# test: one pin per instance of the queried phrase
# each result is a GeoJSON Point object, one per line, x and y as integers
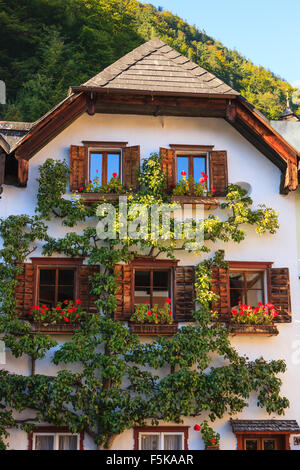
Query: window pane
{"type": "Point", "coordinates": [67, 442]}
{"type": "Point", "coordinates": [47, 296]}
{"type": "Point", "coordinates": [65, 293]}
{"type": "Point", "coordinates": [199, 165]}
{"type": "Point", "coordinates": [44, 442]}
{"type": "Point", "coordinates": [47, 276]}
{"type": "Point", "coordinates": [96, 166]}
{"type": "Point", "coordinates": [254, 281]}
{"type": "Point", "coordinates": [113, 165]}
{"type": "Point", "coordinates": [251, 444]}
{"type": "Point", "coordinates": [142, 287]}
{"type": "Point", "coordinates": [269, 444]}
{"type": "Point", "coordinates": [66, 277]}
{"type": "Point", "coordinates": [160, 287]}
{"type": "Point", "coordinates": [236, 280]}
{"type": "Point", "coordinates": [173, 442]}
{"type": "Point", "coordinates": [253, 297]}
{"type": "Point", "coordinates": [182, 165]}
{"type": "Point", "coordinates": [149, 442]}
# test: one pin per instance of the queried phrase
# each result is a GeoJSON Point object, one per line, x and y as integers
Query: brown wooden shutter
{"type": "Point", "coordinates": [218, 172]}
{"type": "Point", "coordinates": [279, 293]}
{"type": "Point", "coordinates": [24, 291]}
{"type": "Point", "coordinates": [220, 287]}
{"type": "Point", "coordinates": [184, 293]}
{"type": "Point", "coordinates": [124, 294]}
{"type": "Point", "coordinates": [79, 167]}
{"type": "Point", "coordinates": [131, 165]}
{"type": "Point", "coordinates": [168, 164]}
{"type": "Point", "coordinates": [85, 286]}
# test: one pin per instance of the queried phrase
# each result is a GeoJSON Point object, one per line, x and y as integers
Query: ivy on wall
{"type": "Point", "coordinates": [117, 383]}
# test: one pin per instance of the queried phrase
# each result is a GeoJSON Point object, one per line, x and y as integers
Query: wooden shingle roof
{"type": "Point", "coordinates": [155, 66]}
{"type": "Point", "coordinates": [264, 425]}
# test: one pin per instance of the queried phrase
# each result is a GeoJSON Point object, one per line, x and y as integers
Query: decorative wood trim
{"type": "Point", "coordinates": [152, 262]}
{"type": "Point", "coordinates": [183, 429]}
{"type": "Point", "coordinates": [23, 170]}
{"type": "Point", "coordinates": [53, 429]}
{"type": "Point", "coordinates": [261, 265]}
{"type": "Point", "coordinates": [104, 144]}
{"type": "Point", "coordinates": [191, 148]}
{"type": "Point", "coordinates": [2, 170]}
{"type": "Point", "coordinates": [208, 202]}
{"type": "Point", "coordinates": [57, 261]}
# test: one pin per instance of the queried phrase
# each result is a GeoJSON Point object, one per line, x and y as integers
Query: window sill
{"type": "Point", "coordinates": [257, 330]}
{"type": "Point", "coordinates": [212, 448]}
{"type": "Point", "coordinates": [208, 202]}
{"type": "Point", "coordinates": [144, 329]}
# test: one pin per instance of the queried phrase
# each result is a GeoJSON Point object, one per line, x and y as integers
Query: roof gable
{"type": "Point", "coordinates": [154, 66]}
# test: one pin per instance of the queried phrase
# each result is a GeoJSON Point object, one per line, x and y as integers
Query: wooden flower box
{"type": "Point", "coordinates": [145, 329]}
{"type": "Point", "coordinates": [212, 448]}
{"type": "Point", "coordinates": [208, 202]}
{"type": "Point", "coordinates": [237, 329]}
{"type": "Point", "coordinates": [59, 329]}
{"type": "Point", "coordinates": [92, 198]}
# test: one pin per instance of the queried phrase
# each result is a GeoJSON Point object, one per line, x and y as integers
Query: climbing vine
{"type": "Point", "coordinates": [115, 387]}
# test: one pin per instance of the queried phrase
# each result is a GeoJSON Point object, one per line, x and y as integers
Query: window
{"type": "Point", "coordinates": [152, 286]}
{"type": "Point", "coordinates": [192, 165]}
{"type": "Point", "coordinates": [246, 287]}
{"type": "Point", "coordinates": [263, 443]}
{"type": "Point", "coordinates": [166, 438]}
{"type": "Point", "coordinates": [55, 285]}
{"type": "Point", "coordinates": [103, 165]}
{"type": "Point", "coordinates": [55, 441]}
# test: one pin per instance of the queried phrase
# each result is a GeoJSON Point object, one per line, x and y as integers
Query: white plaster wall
{"type": "Point", "coordinates": [245, 164]}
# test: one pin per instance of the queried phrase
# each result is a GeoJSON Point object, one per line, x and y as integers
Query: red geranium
{"type": "Point", "coordinates": [115, 175]}
{"type": "Point", "coordinates": [234, 312]}
{"type": "Point", "coordinates": [213, 441]}
{"type": "Point", "coordinates": [183, 173]}
{"type": "Point", "coordinates": [78, 301]}
{"type": "Point", "coordinates": [213, 190]}
{"type": "Point", "coordinates": [66, 320]}
{"type": "Point", "coordinates": [58, 307]}
{"type": "Point", "coordinates": [149, 313]}
{"type": "Point", "coordinates": [197, 427]}
{"type": "Point", "coordinates": [168, 301]}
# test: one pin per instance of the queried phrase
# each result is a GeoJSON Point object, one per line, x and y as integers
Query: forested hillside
{"type": "Point", "coordinates": [48, 45]}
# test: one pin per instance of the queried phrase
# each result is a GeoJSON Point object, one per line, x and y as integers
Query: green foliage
{"type": "Point", "coordinates": [209, 436]}
{"type": "Point", "coordinates": [47, 46]}
{"type": "Point", "coordinates": [114, 186]}
{"type": "Point", "coordinates": [118, 385]}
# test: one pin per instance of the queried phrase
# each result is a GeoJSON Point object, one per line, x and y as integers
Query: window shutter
{"type": "Point", "coordinates": [218, 172]}
{"type": "Point", "coordinates": [130, 167]}
{"type": "Point", "coordinates": [220, 287]}
{"type": "Point", "coordinates": [85, 286]}
{"type": "Point", "coordinates": [79, 167]}
{"type": "Point", "coordinates": [184, 293]}
{"type": "Point", "coordinates": [168, 164]}
{"type": "Point", "coordinates": [125, 292]}
{"type": "Point", "coordinates": [24, 291]}
{"type": "Point", "coordinates": [279, 293]}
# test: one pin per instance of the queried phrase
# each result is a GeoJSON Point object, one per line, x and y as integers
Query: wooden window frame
{"type": "Point", "coordinates": [262, 267]}
{"type": "Point", "coordinates": [104, 147]}
{"type": "Point", "coordinates": [191, 162]}
{"type": "Point", "coordinates": [56, 431]}
{"type": "Point", "coordinates": [104, 154]}
{"type": "Point", "coordinates": [244, 288]}
{"type": "Point", "coordinates": [184, 430]}
{"type": "Point", "coordinates": [58, 263]}
{"type": "Point", "coordinates": [169, 270]}
{"type": "Point", "coordinates": [260, 436]}
{"type": "Point", "coordinates": [144, 264]}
